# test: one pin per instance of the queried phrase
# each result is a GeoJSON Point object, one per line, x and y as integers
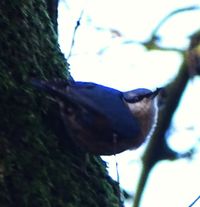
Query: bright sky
{"type": "Point", "coordinates": [99, 57]}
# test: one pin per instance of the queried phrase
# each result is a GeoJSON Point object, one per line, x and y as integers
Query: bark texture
{"type": "Point", "coordinates": [39, 165]}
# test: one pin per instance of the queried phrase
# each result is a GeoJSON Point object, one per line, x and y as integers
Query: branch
{"type": "Point", "coordinates": [171, 14]}
{"type": "Point", "coordinates": [194, 201]}
{"type": "Point", "coordinates": [157, 148]}
{"type": "Point", "coordinates": [151, 43]}
{"type": "Point", "coordinates": [74, 33]}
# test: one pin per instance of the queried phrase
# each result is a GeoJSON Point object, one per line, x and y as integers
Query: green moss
{"type": "Point", "coordinates": [40, 165]}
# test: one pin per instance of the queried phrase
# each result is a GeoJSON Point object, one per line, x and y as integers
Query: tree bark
{"type": "Point", "coordinates": [39, 165]}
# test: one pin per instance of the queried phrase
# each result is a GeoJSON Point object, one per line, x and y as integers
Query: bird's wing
{"type": "Point", "coordinates": [100, 100]}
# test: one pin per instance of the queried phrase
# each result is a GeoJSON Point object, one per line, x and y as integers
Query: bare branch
{"type": "Point", "coordinates": [185, 9]}
{"type": "Point", "coordinates": [194, 201]}
{"type": "Point", "coordinates": [152, 42]}
{"type": "Point", "coordinates": [74, 33]}
{"type": "Point", "coordinates": [157, 148]}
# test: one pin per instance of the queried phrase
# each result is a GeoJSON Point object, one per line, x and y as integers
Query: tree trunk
{"type": "Point", "coordinates": [39, 165]}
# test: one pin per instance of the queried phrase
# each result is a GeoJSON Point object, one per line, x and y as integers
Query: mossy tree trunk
{"type": "Point", "coordinates": [39, 166]}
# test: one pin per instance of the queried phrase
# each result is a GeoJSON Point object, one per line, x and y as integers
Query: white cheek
{"type": "Point", "coordinates": [135, 108]}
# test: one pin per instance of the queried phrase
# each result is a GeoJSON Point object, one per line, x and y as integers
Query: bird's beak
{"type": "Point", "coordinates": [156, 92]}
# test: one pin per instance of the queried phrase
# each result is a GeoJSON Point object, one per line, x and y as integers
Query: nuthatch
{"type": "Point", "coordinates": [103, 120]}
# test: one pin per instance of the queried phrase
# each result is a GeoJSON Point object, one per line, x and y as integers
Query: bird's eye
{"type": "Point", "coordinates": [138, 98]}
{"type": "Point", "coordinates": [134, 99]}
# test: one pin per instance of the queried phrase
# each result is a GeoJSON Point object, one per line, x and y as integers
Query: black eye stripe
{"type": "Point", "coordinates": [137, 98]}
{"type": "Point", "coordinates": [133, 99]}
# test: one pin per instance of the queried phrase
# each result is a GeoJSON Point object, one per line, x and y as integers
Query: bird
{"type": "Point", "coordinates": [103, 120]}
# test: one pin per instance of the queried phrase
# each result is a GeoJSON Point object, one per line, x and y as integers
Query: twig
{"type": "Point", "coordinates": [74, 33]}
{"type": "Point", "coordinates": [194, 201]}
{"type": "Point", "coordinates": [172, 14]}
{"type": "Point", "coordinates": [151, 43]}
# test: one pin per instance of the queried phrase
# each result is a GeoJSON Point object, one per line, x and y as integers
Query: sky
{"type": "Point", "coordinates": [107, 51]}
